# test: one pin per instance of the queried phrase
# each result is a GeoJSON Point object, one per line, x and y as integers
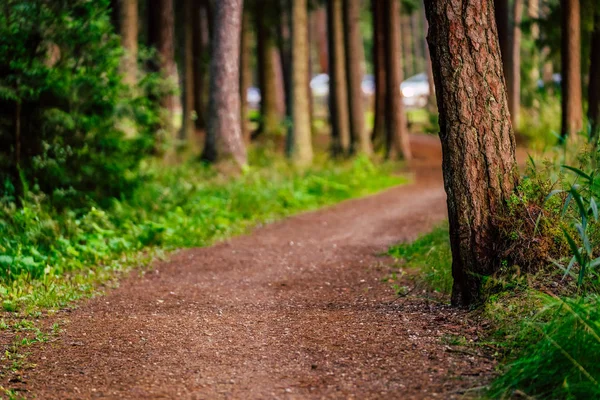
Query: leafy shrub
{"type": "Point", "coordinates": [61, 96]}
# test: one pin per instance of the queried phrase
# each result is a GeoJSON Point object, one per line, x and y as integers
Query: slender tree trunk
{"type": "Point", "coordinates": [302, 152]}
{"type": "Point", "coordinates": [397, 139]}
{"type": "Point", "coordinates": [355, 58]}
{"type": "Point", "coordinates": [533, 11]}
{"type": "Point", "coordinates": [379, 61]}
{"type": "Point", "coordinates": [572, 109]}
{"type": "Point", "coordinates": [279, 82]}
{"type": "Point", "coordinates": [418, 39]}
{"type": "Point", "coordinates": [187, 126]}
{"type": "Point", "coordinates": [162, 33]}
{"type": "Point", "coordinates": [224, 136]}
{"type": "Point", "coordinates": [18, 183]}
{"type": "Point", "coordinates": [338, 90]}
{"type": "Point", "coordinates": [478, 144]}
{"type": "Point", "coordinates": [514, 80]}
{"type": "Point", "coordinates": [320, 25]}
{"type": "Point", "coordinates": [407, 49]}
{"type": "Point", "coordinates": [286, 56]}
{"type": "Point", "coordinates": [129, 38]}
{"type": "Point", "coordinates": [201, 47]}
{"type": "Point", "coordinates": [245, 70]}
{"type": "Point", "coordinates": [594, 86]}
{"type": "Point", "coordinates": [270, 120]}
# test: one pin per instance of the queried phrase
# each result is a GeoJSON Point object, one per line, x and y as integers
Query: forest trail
{"type": "Point", "coordinates": [296, 309]}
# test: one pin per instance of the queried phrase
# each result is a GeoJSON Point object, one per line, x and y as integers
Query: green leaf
{"type": "Point", "coordinates": [584, 238]}
{"type": "Point", "coordinates": [574, 247]}
{"type": "Point", "coordinates": [594, 208]}
{"type": "Point", "coordinates": [578, 172]}
{"type": "Point", "coordinates": [552, 193]}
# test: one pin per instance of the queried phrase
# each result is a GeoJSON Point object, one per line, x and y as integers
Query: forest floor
{"type": "Point", "coordinates": [295, 309]}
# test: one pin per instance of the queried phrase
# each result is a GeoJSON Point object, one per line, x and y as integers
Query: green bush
{"type": "Point", "coordinates": [61, 96]}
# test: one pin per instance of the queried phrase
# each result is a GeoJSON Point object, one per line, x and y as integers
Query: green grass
{"type": "Point", "coordinates": [430, 253]}
{"type": "Point", "coordinates": [51, 257]}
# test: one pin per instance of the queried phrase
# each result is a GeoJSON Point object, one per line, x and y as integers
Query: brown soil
{"type": "Point", "coordinates": [297, 309]}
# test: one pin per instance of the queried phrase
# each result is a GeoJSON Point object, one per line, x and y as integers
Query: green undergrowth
{"type": "Point", "coordinates": [50, 257]}
{"type": "Point", "coordinates": [430, 255]}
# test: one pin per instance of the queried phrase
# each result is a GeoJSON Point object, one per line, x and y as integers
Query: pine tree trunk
{"type": "Point", "coordinates": [514, 80]}
{"type": "Point", "coordinates": [594, 85]}
{"type": "Point", "coordinates": [270, 120]}
{"type": "Point", "coordinates": [301, 140]}
{"type": "Point", "coordinates": [397, 140]}
{"type": "Point", "coordinates": [224, 135]}
{"type": "Point", "coordinates": [129, 38]}
{"type": "Point", "coordinates": [355, 58]}
{"type": "Point", "coordinates": [279, 83]}
{"type": "Point", "coordinates": [478, 144]}
{"type": "Point", "coordinates": [201, 48]}
{"type": "Point", "coordinates": [572, 109]}
{"type": "Point", "coordinates": [187, 126]}
{"type": "Point", "coordinates": [379, 60]}
{"type": "Point", "coordinates": [338, 90]}
{"type": "Point", "coordinates": [245, 70]}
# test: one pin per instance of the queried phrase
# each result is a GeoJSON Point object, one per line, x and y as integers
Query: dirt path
{"type": "Point", "coordinates": [297, 309]}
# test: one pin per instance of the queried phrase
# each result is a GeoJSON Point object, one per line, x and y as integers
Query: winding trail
{"type": "Point", "coordinates": [293, 310]}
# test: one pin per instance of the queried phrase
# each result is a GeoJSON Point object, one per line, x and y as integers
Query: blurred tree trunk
{"type": "Point", "coordinates": [286, 57]}
{"type": "Point", "coordinates": [572, 110]}
{"type": "Point", "coordinates": [338, 90]}
{"type": "Point", "coordinates": [513, 80]}
{"type": "Point", "coordinates": [397, 140]}
{"type": "Point", "coordinates": [128, 10]}
{"type": "Point", "coordinates": [279, 82]}
{"type": "Point", "coordinates": [201, 49]}
{"type": "Point", "coordinates": [269, 118]}
{"type": "Point", "coordinates": [320, 28]}
{"type": "Point", "coordinates": [355, 58]}
{"type": "Point", "coordinates": [418, 39]}
{"type": "Point", "coordinates": [407, 49]}
{"type": "Point", "coordinates": [533, 11]}
{"type": "Point", "coordinates": [379, 60]}
{"type": "Point", "coordinates": [301, 151]}
{"type": "Point", "coordinates": [478, 144]}
{"type": "Point", "coordinates": [224, 135]}
{"type": "Point", "coordinates": [161, 36]}
{"type": "Point", "coordinates": [187, 126]}
{"type": "Point", "coordinates": [245, 70]}
{"type": "Point", "coordinates": [594, 86]}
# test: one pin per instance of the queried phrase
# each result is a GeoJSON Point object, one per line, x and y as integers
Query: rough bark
{"type": "Point", "coordinates": [187, 125]}
{"type": "Point", "coordinates": [270, 121]}
{"type": "Point", "coordinates": [572, 109]}
{"type": "Point", "coordinates": [514, 74]}
{"type": "Point", "coordinates": [477, 139]}
{"type": "Point", "coordinates": [338, 90]}
{"type": "Point", "coordinates": [355, 58]}
{"type": "Point", "coordinates": [397, 143]}
{"type": "Point", "coordinates": [300, 132]}
{"type": "Point", "coordinates": [320, 28]}
{"type": "Point", "coordinates": [378, 15]}
{"type": "Point", "coordinates": [224, 135]}
{"type": "Point", "coordinates": [245, 70]}
{"type": "Point", "coordinates": [128, 10]}
{"type": "Point", "coordinates": [594, 85]}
